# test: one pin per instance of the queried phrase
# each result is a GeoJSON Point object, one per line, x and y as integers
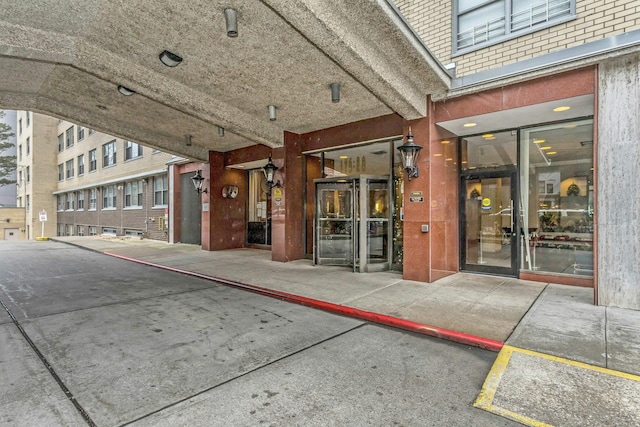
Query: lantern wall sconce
{"type": "Point", "coordinates": [198, 180]}
{"type": "Point", "coordinates": [269, 173]}
{"type": "Point", "coordinates": [409, 152]}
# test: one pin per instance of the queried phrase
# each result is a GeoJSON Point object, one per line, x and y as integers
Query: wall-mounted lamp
{"type": "Point", "coordinates": [170, 59]}
{"type": "Point", "coordinates": [231, 20]}
{"type": "Point", "coordinates": [272, 112]}
{"type": "Point", "coordinates": [269, 172]}
{"type": "Point", "coordinates": [125, 90]}
{"type": "Point", "coordinates": [197, 180]}
{"type": "Point", "coordinates": [335, 92]}
{"type": "Point", "coordinates": [220, 131]}
{"type": "Point", "coordinates": [409, 152]}
{"type": "Point", "coordinates": [187, 140]}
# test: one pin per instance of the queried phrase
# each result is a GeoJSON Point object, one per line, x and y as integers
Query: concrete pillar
{"type": "Point", "coordinates": [618, 183]}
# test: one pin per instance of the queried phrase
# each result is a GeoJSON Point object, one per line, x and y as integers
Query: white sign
{"type": "Point", "coordinates": [43, 215]}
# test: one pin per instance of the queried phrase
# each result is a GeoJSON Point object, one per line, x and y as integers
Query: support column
{"type": "Point", "coordinates": [617, 273]}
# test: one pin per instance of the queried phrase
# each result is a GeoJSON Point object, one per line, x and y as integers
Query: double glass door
{"type": "Point", "coordinates": [352, 223]}
{"type": "Point", "coordinates": [488, 224]}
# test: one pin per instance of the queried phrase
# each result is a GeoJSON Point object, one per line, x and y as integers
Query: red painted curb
{"type": "Point", "coordinates": [383, 319]}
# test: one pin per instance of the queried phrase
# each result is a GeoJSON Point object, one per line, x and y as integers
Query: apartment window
{"type": "Point", "coordinates": [81, 164]}
{"type": "Point", "coordinates": [70, 170]}
{"type": "Point", "coordinates": [93, 198]}
{"type": "Point", "coordinates": [61, 172]}
{"type": "Point", "coordinates": [28, 203]}
{"type": "Point", "coordinates": [28, 118]}
{"type": "Point", "coordinates": [69, 205]}
{"type": "Point", "coordinates": [80, 198]}
{"type": "Point", "coordinates": [20, 152]}
{"type": "Point", "coordinates": [19, 178]}
{"type": "Point", "coordinates": [69, 230]}
{"type": "Point", "coordinates": [132, 150]}
{"type": "Point", "coordinates": [109, 154]}
{"type": "Point", "coordinates": [133, 233]}
{"type": "Point", "coordinates": [28, 144]}
{"type": "Point", "coordinates": [160, 191]}
{"type": "Point", "coordinates": [20, 127]}
{"type": "Point", "coordinates": [109, 197]}
{"type": "Point", "coordinates": [80, 230]}
{"type": "Point", "coordinates": [60, 199]}
{"type": "Point", "coordinates": [80, 133]}
{"type": "Point", "coordinates": [133, 194]}
{"type": "Point", "coordinates": [109, 230]}
{"type": "Point", "coordinates": [60, 142]}
{"type": "Point", "coordinates": [482, 22]}
{"type": "Point", "coordinates": [28, 173]}
{"type": "Point", "coordinates": [69, 137]}
{"type": "Point", "coordinates": [91, 131]}
{"type": "Point", "coordinates": [93, 160]}
{"type": "Point", "coordinates": [93, 230]}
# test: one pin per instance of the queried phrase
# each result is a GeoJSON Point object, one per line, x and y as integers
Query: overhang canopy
{"type": "Point", "coordinates": [67, 58]}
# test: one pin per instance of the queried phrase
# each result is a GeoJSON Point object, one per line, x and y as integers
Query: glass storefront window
{"type": "Point", "coordinates": [258, 212]}
{"type": "Point", "coordinates": [556, 206]}
{"type": "Point", "coordinates": [489, 151]}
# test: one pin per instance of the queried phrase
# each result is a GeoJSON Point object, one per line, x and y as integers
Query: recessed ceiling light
{"type": "Point", "coordinates": [538, 141]}
{"type": "Point", "coordinates": [445, 142]}
{"type": "Point", "coordinates": [488, 135]}
{"type": "Point", "coordinates": [170, 59]}
{"type": "Point", "coordinates": [437, 154]}
{"type": "Point", "coordinates": [125, 91]}
{"type": "Point", "coordinates": [344, 157]}
{"type": "Point", "coordinates": [469, 125]}
{"type": "Point", "coordinates": [448, 159]}
{"type": "Point", "coordinates": [562, 108]}
{"type": "Point", "coordinates": [464, 162]}
{"type": "Point", "coordinates": [240, 166]}
{"type": "Point", "coordinates": [546, 147]}
{"type": "Point", "coordinates": [551, 153]}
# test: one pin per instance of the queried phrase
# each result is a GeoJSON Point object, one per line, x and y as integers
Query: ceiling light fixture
{"type": "Point", "coordinates": [470, 124]}
{"type": "Point", "coordinates": [487, 135]}
{"type": "Point", "coordinates": [335, 92]}
{"type": "Point", "coordinates": [551, 153]}
{"type": "Point", "coordinates": [562, 108]}
{"type": "Point", "coordinates": [220, 131]}
{"type": "Point", "coordinates": [125, 90]}
{"type": "Point", "coordinates": [445, 142]}
{"type": "Point", "coordinates": [538, 141]}
{"type": "Point", "coordinates": [170, 59]}
{"type": "Point", "coordinates": [231, 20]}
{"type": "Point", "coordinates": [187, 140]}
{"type": "Point", "coordinates": [546, 147]}
{"type": "Point", "coordinates": [272, 112]}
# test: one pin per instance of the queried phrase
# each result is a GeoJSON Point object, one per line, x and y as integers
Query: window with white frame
{"type": "Point", "coordinates": [109, 197]}
{"type": "Point", "coordinates": [28, 173]}
{"type": "Point", "coordinates": [61, 172]}
{"type": "Point", "coordinates": [61, 142]}
{"type": "Point", "coordinates": [69, 205]}
{"type": "Point", "coordinates": [20, 152]}
{"type": "Point", "coordinates": [109, 230]}
{"type": "Point", "coordinates": [93, 230]}
{"type": "Point", "coordinates": [132, 150]}
{"type": "Point", "coordinates": [28, 145]}
{"type": "Point", "coordinates": [80, 198]}
{"type": "Point", "coordinates": [70, 169]}
{"type": "Point", "coordinates": [484, 22]}
{"type": "Point", "coordinates": [160, 190]}
{"type": "Point", "coordinates": [27, 203]}
{"type": "Point", "coordinates": [93, 198]}
{"type": "Point", "coordinates": [20, 127]}
{"type": "Point", "coordinates": [60, 199]}
{"type": "Point", "coordinates": [109, 154]}
{"type": "Point", "coordinates": [69, 230]}
{"type": "Point", "coordinates": [60, 229]}
{"type": "Point", "coordinates": [69, 137]}
{"type": "Point", "coordinates": [28, 118]}
{"type": "Point", "coordinates": [80, 230]}
{"type": "Point", "coordinates": [20, 178]}
{"type": "Point", "coordinates": [93, 160]}
{"type": "Point", "coordinates": [133, 194]}
{"type": "Point", "coordinates": [81, 164]}
{"type": "Point", "coordinates": [80, 133]}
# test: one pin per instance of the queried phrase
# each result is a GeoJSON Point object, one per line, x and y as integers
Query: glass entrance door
{"type": "Point", "coordinates": [488, 223]}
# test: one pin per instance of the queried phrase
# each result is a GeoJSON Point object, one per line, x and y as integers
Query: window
{"type": "Point", "coordinates": [28, 118]}
{"type": "Point", "coordinates": [69, 205]}
{"type": "Point", "coordinates": [80, 133]}
{"type": "Point", "coordinates": [133, 194]}
{"type": "Point", "coordinates": [132, 150]}
{"type": "Point", "coordinates": [20, 152]}
{"type": "Point", "coordinates": [93, 230]}
{"type": "Point", "coordinates": [80, 198]}
{"type": "Point", "coordinates": [28, 203]}
{"type": "Point", "coordinates": [93, 198]}
{"type": "Point", "coordinates": [70, 171]}
{"type": "Point", "coordinates": [28, 144]}
{"type": "Point", "coordinates": [109, 154]}
{"type": "Point", "coordinates": [109, 230]}
{"type": "Point", "coordinates": [20, 127]}
{"type": "Point", "coordinates": [109, 197]}
{"type": "Point", "coordinates": [81, 164]}
{"type": "Point", "coordinates": [160, 191]}
{"type": "Point", "coordinates": [28, 173]}
{"type": "Point", "coordinates": [91, 131]}
{"type": "Point", "coordinates": [19, 179]}
{"type": "Point", "coordinates": [69, 137]}
{"type": "Point", "coordinates": [60, 200]}
{"type": "Point", "coordinates": [93, 162]}
{"type": "Point", "coordinates": [133, 233]}
{"type": "Point", "coordinates": [61, 172]}
{"type": "Point", "coordinates": [482, 22]}
{"type": "Point", "coordinates": [60, 142]}
{"type": "Point", "coordinates": [80, 230]}
{"type": "Point", "coordinates": [60, 229]}
{"type": "Point", "coordinates": [69, 230]}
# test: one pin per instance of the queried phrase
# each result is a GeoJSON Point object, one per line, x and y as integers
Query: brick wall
{"type": "Point", "coordinates": [596, 19]}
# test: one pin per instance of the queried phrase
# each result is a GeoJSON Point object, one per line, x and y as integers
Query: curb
{"type": "Point", "coordinates": [382, 319]}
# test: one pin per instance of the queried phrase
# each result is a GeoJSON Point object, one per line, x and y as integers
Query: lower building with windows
{"type": "Point", "coordinates": [89, 183]}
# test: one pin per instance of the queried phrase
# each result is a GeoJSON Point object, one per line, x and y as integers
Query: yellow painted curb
{"type": "Point", "coordinates": [42, 239]}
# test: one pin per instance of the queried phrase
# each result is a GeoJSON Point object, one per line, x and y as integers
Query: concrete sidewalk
{"type": "Point", "coordinates": [560, 351]}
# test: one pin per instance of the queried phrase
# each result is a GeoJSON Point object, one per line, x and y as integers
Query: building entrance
{"type": "Point", "coordinates": [488, 223]}
{"type": "Point", "coordinates": [352, 217]}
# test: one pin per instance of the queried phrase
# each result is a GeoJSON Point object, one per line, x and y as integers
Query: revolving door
{"type": "Point", "coordinates": [352, 223]}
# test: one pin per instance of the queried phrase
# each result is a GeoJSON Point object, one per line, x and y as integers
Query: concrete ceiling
{"type": "Point", "coordinates": [66, 58]}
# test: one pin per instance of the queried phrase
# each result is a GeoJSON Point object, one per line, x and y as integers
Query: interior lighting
{"type": "Point", "coordinates": [551, 153]}
{"type": "Point", "coordinates": [231, 21]}
{"type": "Point", "coordinates": [170, 59]}
{"type": "Point", "coordinates": [470, 124]}
{"type": "Point", "coordinates": [561, 108]}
